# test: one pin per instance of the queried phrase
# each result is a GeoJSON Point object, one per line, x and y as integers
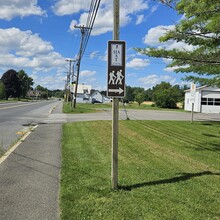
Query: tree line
{"type": "Point", "coordinates": [164, 95]}
{"type": "Point", "coordinates": [17, 85]}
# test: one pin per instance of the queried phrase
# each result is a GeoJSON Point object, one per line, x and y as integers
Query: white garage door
{"type": "Point", "coordinates": [210, 102]}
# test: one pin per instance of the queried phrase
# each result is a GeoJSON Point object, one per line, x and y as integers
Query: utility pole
{"type": "Point", "coordinates": [68, 79]}
{"type": "Point", "coordinates": [82, 28]}
{"type": "Point", "coordinates": [115, 103]}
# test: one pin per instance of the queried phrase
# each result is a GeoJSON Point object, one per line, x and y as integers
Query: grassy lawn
{"type": "Point", "coordinates": [81, 108]}
{"type": "Point", "coordinates": [90, 108]}
{"type": "Point", "coordinates": [167, 170]}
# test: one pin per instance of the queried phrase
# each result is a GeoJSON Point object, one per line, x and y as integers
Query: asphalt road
{"type": "Point", "coordinates": [17, 117]}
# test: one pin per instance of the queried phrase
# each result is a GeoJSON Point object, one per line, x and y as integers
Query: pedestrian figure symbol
{"type": "Point", "coordinates": [119, 78]}
{"type": "Point", "coordinates": [112, 77]}
{"type": "Point", "coordinates": [115, 79]}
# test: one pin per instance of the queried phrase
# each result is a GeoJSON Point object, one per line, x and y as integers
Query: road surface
{"type": "Point", "coordinates": [16, 117]}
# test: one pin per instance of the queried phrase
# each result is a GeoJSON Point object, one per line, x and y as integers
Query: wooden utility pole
{"type": "Point", "coordinates": [115, 103]}
{"type": "Point", "coordinates": [68, 79]}
{"type": "Point", "coordinates": [83, 32]}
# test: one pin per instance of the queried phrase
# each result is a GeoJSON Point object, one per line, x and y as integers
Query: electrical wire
{"type": "Point", "coordinates": [94, 6]}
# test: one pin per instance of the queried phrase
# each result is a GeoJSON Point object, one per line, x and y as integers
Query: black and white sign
{"type": "Point", "coordinates": [193, 93]}
{"type": "Point", "coordinates": [116, 69]}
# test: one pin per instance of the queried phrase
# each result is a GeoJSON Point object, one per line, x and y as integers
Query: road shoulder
{"type": "Point", "coordinates": [30, 176]}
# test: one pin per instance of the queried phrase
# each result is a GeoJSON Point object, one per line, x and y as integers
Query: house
{"type": "Point", "coordinates": [83, 93]}
{"type": "Point", "coordinates": [97, 97]}
{"type": "Point", "coordinates": [34, 94]}
{"type": "Point", "coordinates": [207, 100]}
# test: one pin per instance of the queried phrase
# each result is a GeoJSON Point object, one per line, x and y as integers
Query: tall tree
{"type": "Point", "coordinates": [26, 82]}
{"type": "Point", "coordinates": [199, 28]}
{"type": "Point", "coordinates": [166, 95]}
{"type": "Point", "coordinates": [140, 97]}
{"type": "Point", "coordinates": [129, 94]}
{"type": "Point", "coordinates": [12, 84]}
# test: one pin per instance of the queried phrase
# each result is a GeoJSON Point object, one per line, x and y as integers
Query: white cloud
{"type": "Point", "coordinates": [153, 35]}
{"type": "Point", "coordinates": [154, 8]}
{"type": "Point", "coordinates": [152, 80]}
{"type": "Point", "coordinates": [27, 50]}
{"type": "Point", "coordinates": [87, 73]}
{"type": "Point", "coordinates": [140, 19]}
{"type": "Point", "coordinates": [94, 54]}
{"type": "Point", "coordinates": [55, 81]}
{"type": "Point", "coordinates": [68, 7]}
{"type": "Point", "coordinates": [138, 63]}
{"type": "Point", "coordinates": [172, 69]}
{"type": "Point", "coordinates": [104, 19]}
{"type": "Point", "coordinates": [10, 9]}
{"type": "Point", "coordinates": [72, 25]}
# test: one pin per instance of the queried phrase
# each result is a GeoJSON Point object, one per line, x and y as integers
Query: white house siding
{"type": "Point", "coordinates": [97, 96]}
{"type": "Point", "coordinates": [207, 100]}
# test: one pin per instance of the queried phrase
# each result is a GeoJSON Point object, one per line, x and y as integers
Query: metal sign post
{"type": "Point", "coordinates": [192, 99]}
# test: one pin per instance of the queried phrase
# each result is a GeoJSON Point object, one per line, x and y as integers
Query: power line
{"type": "Point", "coordinates": [85, 34]}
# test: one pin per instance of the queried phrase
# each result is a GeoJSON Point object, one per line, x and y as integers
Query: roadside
{"type": "Point", "coordinates": [29, 183]}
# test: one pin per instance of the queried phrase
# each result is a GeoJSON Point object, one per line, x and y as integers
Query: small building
{"type": "Point", "coordinates": [97, 97]}
{"type": "Point", "coordinates": [34, 94]}
{"type": "Point", "coordinates": [85, 94]}
{"type": "Point", "coordinates": [207, 100]}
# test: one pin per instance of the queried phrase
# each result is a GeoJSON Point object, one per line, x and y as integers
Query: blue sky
{"type": "Point", "coordinates": [38, 35]}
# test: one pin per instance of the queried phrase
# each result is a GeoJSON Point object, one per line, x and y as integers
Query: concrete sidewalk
{"type": "Point", "coordinates": [29, 178]}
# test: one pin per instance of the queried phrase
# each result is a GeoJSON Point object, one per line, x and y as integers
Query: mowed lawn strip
{"type": "Point", "coordinates": [167, 170]}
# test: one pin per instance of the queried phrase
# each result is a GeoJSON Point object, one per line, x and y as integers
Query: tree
{"type": "Point", "coordinates": [26, 82]}
{"type": "Point", "coordinates": [140, 97]}
{"type": "Point", "coordinates": [200, 29]}
{"type": "Point", "coordinates": [44, 91]}
{"type": "Point", "coordinates": [149, 95]}
{"type": "Point", "coordinates": [59, 93]}
{"type": "Point", "coordinates": [12, 84]}
{"type": "Point", "coordinates": [41, 88]}
{"type": "Point", "coordinates": [129, 97]}
{"type": "Point", "coordinates": [2, 90]}
{"type": "Point", "coordinates": [166, 96]}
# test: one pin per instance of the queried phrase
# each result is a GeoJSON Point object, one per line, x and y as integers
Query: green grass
{"type": "Point", "coordinates": [80, 108]}
{"type": "Point", "coordinates": [91, 108]}
{"type": "Point", "coordinates": [167, 170]}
